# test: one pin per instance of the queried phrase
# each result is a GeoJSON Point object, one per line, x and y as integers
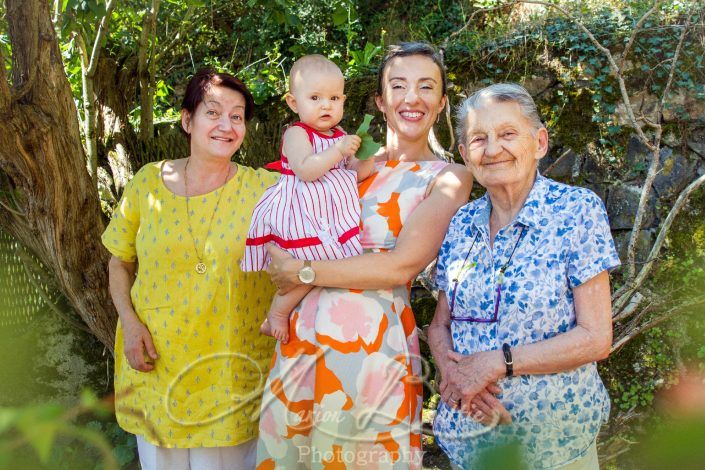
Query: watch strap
{"type": "Point", "coordinates": [508, 361]}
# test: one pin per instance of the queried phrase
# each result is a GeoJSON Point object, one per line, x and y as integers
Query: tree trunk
{"type": "Point", "coordinates": [146, 71]}
{"type": "Point", "coordinates": [89, 65]}
{"type": "Point", "coordinates": [53, 206]}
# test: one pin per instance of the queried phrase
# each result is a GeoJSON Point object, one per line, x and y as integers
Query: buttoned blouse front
{"type": "Point", "coordinates": [566, 242]}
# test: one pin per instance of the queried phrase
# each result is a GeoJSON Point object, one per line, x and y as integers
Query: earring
{"type": "Point", "coordinates": [438, 118]}
{"type": "Point", "coordinates": [384, 117]}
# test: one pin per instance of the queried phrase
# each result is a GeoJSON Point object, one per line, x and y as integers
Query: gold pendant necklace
{"type": "Point", "coordinates": [201, 267]}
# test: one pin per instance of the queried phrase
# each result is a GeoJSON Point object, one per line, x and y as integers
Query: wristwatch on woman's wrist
{"type": "Point", "coordinates": [508, 361]}
{"type": "Point", "coordinates": [306, 273]}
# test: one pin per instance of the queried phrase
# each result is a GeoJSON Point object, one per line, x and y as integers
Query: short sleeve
{"type": "Point", "coordinates": [592, 248]}
{"type": "Point", "coordinates": [267, 178]}
{"type": "Point", "coordinates": [120, 235]}
{"type": "Point", "coordinates": [441, 273]}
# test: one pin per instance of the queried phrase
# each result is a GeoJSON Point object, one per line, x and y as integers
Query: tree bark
{"type": "Point", "coordinates": [146, 71]}
{"type": "Point", "coordinates": [89, 64]}
{"type": "Point", "coordinates": [5, 96]}
{"type": "Point", "coordinates": [53, 210]}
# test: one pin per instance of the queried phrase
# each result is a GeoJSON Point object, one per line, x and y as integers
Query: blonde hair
{"type": "Point", "coordinates": [312, 62]}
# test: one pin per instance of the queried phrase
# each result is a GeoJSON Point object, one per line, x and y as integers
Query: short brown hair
{"type": "Point", "coordinates": [201, 82]}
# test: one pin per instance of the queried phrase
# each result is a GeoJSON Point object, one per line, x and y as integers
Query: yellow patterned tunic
{"type": "Point", "coordinates": [206, 387]}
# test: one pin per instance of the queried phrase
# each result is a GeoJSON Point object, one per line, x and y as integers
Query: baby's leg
{"type": "Point", "coordinates": [277, 323]}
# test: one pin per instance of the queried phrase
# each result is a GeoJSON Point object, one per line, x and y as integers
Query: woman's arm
{"type": "Point", "coordinates": [136, 336]}
{"type": "Point", "coordinates": [589, 341]}
{"type": "Point", "coordinates": [310, 166]}
{"type": "Point", "coordinates": [441, 343]}
{"type": "Point", "coordinates": [417, 244]}
{"type": "Point", "coordinates": [439, 338]}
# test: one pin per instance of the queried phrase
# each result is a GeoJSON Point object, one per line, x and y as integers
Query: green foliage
{"type": "Point", "coordinates": [644, 367]}
{"type": "Point", "coordinates": [579, 70]}
{"type": "Point", "coordinates": [363, 61]}
{"type": "Point", "coordinates": [40, 426]}
{"type": "Point", "coordinates": [266, 78]}
{"type": "Point", "coordinates": [368, 147]}
{"type": "Point", "coordinates": [124, 444]}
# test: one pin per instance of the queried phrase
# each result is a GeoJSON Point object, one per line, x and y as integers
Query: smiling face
{"type": "Point", "coordinates": [501, 147]}
{"type": "Point", "coordinates": [317, 96]}
{"type": "Point", "coordinates": [217, 126]}
{"type": "Point", "coordinates": [412, 96]}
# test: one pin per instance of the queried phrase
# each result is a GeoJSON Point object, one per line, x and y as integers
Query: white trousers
{"type": "Point", "coordinates": [240, 457]}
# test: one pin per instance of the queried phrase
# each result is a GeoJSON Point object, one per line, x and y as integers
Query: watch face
{"type": "Point", "coordinates": [307, 275]}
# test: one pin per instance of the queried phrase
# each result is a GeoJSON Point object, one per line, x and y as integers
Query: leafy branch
{"type": "Point", "coordinates": [89, 64]}
{"type": "Point", "coordinates": [146, 70]}
{"type": "Point", "coordinates": [39, 426]}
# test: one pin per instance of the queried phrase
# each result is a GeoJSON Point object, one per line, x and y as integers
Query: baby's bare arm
{"type": "Point", "coordinates": [364, 168]}
{"type": "Point", "coordinates": [310, 166]}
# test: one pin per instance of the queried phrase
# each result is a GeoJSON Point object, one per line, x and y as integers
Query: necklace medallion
{"type": "Point", "coordinates": [201, 267]}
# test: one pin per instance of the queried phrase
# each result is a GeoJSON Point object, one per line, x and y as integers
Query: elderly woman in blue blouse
{"type": "Point", "coordinates": [524, 298]}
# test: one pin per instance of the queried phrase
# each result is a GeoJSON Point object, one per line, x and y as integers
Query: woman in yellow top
{"type": "Point", "coordinates": [190, 363]}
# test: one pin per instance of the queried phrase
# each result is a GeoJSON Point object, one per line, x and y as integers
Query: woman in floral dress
{"type": "Point", "coordinates": [524, 297]}
{"type": "Point", "coordinates": [346, 390]}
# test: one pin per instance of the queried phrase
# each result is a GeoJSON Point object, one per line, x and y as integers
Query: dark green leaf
{"type": "Point", "coordinates": [340, 16]}
{"type": "Point", "coordinates": [124, 454]}
{"type": "Point", "coordinates": [98, 8]}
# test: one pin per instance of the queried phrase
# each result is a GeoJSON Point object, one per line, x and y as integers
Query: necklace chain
{"type": "Point", "coordinates": [201, 266]}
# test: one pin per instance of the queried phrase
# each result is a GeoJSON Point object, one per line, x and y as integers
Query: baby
{"type": "Point", "coordinates": [313, 211]}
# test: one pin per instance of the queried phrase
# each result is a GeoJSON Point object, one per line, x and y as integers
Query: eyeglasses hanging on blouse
{"type": "Point", "coordinates": [498, 287]}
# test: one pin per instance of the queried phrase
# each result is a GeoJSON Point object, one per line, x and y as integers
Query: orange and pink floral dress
{"type": "Point", "coordinates": [346, 391]}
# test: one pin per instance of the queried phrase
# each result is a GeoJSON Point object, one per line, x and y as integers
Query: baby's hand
{"type": "Point", "coordinates": [348, 145]}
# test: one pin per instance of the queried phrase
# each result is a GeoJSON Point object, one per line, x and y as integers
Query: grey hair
{"type": "Point", "coordinates": [502, 92]}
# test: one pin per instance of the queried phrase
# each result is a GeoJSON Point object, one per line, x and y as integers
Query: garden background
{"type": "Point", "coordinates": [90, 92]}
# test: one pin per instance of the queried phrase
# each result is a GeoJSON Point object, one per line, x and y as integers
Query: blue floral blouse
{"type": "Point", "coordinates": [566, 241]}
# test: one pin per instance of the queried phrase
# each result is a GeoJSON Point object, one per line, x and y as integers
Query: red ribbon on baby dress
{"type": "Point", "coordinates": [301, 242]}
{"type": "Point", "coordinates": [276, 166]}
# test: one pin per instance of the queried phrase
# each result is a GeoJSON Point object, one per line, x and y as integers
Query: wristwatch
{"type": "Point", "coordinates": [508, 361]}
{"type": "Point", "coordinates": [307, 274]}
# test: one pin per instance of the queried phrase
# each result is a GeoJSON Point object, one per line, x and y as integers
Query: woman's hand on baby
{"type": "Point", "coordinates": [348, 145]}
{"type": "Point", "coordinates": [282, 269]}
